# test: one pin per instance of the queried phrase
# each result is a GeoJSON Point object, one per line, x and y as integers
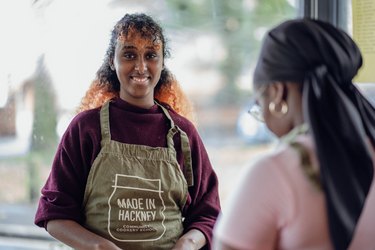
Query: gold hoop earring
{"type": "Point", "coordinates": [282, 112]}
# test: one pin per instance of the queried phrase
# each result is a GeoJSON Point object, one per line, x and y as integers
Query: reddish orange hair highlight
{"type": "Point", "coordinates": [95, 97]}
{"type": "Point", "coordinates": [172, 94]}
{"type": "Point", "coordinates": [142, 30]}
{"type": "Point", "coordinates": [175, 97]}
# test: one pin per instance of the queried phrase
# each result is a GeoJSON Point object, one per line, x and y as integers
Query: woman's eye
{"type": "Point", "coordinates": [151, 56]}
{"type": "Point", "coordinates": [128, 55]}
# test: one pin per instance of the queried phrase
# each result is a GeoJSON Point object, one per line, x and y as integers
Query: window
{"type": "Point", "coordinates": [52, 50]}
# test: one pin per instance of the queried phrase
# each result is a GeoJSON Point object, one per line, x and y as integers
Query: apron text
{"type": "Point", "coordinates": [131, 215]}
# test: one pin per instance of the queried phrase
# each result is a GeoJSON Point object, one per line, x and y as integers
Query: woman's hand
{"type": "Point", "coordinates": [185, 244]}
{"type": "Point", "coordinates": [76, 236]}
{"type": "Point", "coordinates": [192, 240]}
{"type": "Point", "coordinates": [106, 245]}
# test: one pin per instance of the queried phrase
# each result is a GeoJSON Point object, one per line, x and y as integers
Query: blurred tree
{"type": "Point", "coordinates": [240, 25]}
{"type": "Point", "coordinates": [45, 116]}
{"type": "Point", "coordinates": [44, 137]}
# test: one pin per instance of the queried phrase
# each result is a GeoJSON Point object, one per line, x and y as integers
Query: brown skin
{"type": "Point", "coordinates": [289, 92]}
{"type": "Point", "coordinates": [79, 238]}
{"type": "Point", "coordinates": [137, 59]}
{"type": "Point", "coordinates": [276, 92]}
{"type": "Point", "coordinates": [132, 61]}
{"type": "Point", "coordinates": [76, 236]}
{"type": "Point", "coordinates": [192, 240]}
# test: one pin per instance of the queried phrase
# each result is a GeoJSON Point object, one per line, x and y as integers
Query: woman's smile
{"type": "Point", "coordinates": [140, 80]}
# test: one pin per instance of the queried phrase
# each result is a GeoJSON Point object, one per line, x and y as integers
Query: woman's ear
{"type": "Point", "coordinates": [111, 65]}
{"type": "Point", "coordinates": [280, 92]}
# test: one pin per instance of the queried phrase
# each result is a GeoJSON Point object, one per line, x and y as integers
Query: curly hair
{"type": "Point", "coordinates": [106, 84]}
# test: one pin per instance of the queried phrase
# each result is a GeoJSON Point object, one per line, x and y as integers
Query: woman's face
{"type": "Point", "coordinates": [138, 63]}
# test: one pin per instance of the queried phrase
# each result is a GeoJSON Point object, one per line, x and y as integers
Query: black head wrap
{"type": "Point", "coordinates": [325, 59]}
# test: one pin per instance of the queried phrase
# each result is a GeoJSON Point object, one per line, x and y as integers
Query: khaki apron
{"type": "Point", "coordinates": [134, 193]}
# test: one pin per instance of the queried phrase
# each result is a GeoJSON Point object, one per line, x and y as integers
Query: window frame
{"type": "Point", "coordinates": [332, 11]}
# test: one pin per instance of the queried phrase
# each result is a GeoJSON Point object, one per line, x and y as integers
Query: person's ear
{"type": "Point", "coordinates": [111, 64]}
{"type": "Point", "coordinates": [280, 92]}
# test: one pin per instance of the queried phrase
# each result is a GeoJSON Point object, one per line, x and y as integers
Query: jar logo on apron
{"type": "Point", "coordinates": [138, 214]}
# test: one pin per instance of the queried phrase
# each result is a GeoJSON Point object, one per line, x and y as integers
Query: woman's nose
{"type": "Point", "coordinates": [140, 66]}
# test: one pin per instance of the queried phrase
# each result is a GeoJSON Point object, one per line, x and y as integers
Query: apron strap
{"type": "Point", "coordinates": [104, 121]}
{"type": "Point", "coordinates": [188, 168]}
{"type": "Point", "coordinates": [185, 147]}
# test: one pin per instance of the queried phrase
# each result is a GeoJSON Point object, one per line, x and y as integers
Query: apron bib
{"type": "Point", "coordinates": [134, 193]}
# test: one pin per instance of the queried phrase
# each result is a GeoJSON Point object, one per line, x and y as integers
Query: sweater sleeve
{"type": "Point", "coordinates": [203, 205]}
{"type": "Point", "coordinates": [63, 192]}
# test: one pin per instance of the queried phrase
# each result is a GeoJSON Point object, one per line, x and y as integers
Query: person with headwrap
{"type": "Point", "coordinates": [315, 190]}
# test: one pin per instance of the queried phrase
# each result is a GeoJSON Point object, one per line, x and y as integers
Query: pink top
{"type": "Point", "coordinates": [276, 207]}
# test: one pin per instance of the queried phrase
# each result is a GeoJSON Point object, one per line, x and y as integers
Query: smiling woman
{"type": "Point", "coordinates": [130, 166]}
{"type": "Point", "coordinates": [138, 65]}
{"type": "Point", "coordinates": [141, 46]}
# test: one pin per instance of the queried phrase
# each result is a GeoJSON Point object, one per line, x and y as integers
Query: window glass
{"type": "Point", "coordinates": [51, 50]}
{"type": "Point", "coordinates": [346, 22]}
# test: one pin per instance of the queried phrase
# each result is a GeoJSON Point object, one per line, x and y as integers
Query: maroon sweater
{"type": "Point", "coordinates": [63, 192]}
